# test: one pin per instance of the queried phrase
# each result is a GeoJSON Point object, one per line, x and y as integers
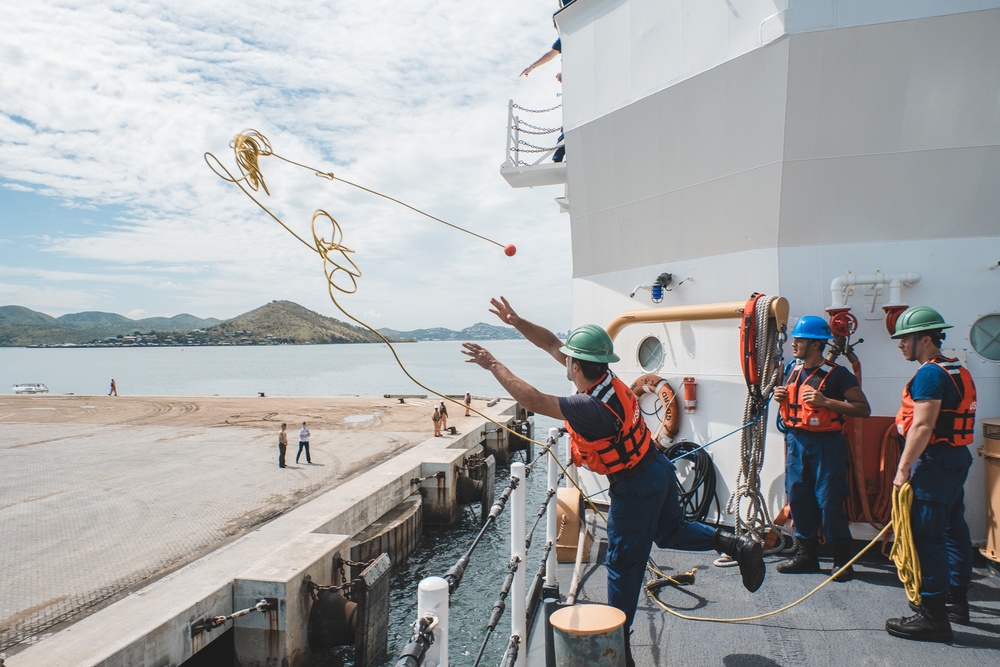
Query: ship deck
{"type": "Point", "coordinates": [842, 624]}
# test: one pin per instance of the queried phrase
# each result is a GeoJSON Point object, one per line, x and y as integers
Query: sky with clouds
{"type": "Point", "coordinates": [107, 203]}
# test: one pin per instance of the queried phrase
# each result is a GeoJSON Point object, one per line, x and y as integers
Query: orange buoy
{"type": "Point", "coordinates": [654, 384]}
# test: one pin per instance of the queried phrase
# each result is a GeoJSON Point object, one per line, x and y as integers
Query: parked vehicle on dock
{"type": "Point", "coordinates": [30, 388]}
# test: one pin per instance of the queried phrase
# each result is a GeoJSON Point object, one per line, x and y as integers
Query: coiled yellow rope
{"type": "Point", "coordinates": [904, 553]}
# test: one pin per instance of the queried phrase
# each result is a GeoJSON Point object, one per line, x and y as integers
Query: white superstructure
{"type": "Point", "coordinates": [836, 153]}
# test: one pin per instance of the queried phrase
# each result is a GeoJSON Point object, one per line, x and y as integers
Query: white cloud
{"type": "Point", "coordinates": [114, 103]}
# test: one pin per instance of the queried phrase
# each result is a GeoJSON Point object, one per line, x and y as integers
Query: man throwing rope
{"type": "Point", "coordinates": [937, 419]}
{"type": "Point", "coordinates": [608, 436]}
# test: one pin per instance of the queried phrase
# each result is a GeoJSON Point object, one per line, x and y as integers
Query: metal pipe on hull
{"type": "Point", "coordinates": [707, 311]}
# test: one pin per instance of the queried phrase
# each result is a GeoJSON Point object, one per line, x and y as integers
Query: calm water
{"type": "Point", "coordinates": [285, 370]}
{"type": "Point", "coordinates": [329, 370]}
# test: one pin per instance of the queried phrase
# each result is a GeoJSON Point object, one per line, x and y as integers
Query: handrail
{"type": "Point", "coordinates": [431, 626]}
{"type": "Point", "coordinates": [697, 312]}
{"type": "Point", "coordinates": [516, 145]}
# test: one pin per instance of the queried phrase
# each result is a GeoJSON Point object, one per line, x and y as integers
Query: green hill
{"type": "Point", "coordinates": [21, 316]}
{"type": "Point", "coordinates": [289, 322]}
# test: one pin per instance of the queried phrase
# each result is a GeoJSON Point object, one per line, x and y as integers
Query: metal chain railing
{"type": "Point", "coordinates": [499, 607]}
{"type": "Point", "coordinates": [517, 127]}
{"type": "Point", "coordinates": [457, 571]}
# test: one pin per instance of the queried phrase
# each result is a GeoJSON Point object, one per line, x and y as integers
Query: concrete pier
{"type": "Point", "coordinates": [101, 473]}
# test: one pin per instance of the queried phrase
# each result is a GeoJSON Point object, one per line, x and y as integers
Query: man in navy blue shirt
{"type": "Point", "coordinates": [937, 420]}
{"type": "Point", "coordinates": [814, 400]}
{"type": "Point", "coordinates": [609, 436]}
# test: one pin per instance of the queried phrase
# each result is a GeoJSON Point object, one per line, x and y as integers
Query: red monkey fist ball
{"type": "Point", "coordinates": [509, 250]}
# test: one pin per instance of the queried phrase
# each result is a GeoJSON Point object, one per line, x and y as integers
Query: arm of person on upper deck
{"type": "Point", "coordinates": [530, 398]}
{"type": "Point", "coordinates": [536, 334]}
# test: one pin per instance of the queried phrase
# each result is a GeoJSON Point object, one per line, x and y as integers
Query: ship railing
{"type": "Point", "coordinates": [523, 138]}
{"type": "Point", "coordinates": [429, 643]}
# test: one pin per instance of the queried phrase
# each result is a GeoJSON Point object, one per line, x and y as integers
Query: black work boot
{"type": "Point", "coordinates": [929, 624]}
{"type": "Point", "coordinates": [804, 560]}
{"type": "Point", "coordinates": [956, 604]}
{"type": "Point", "coordinates": [842, 555]}
{"type": "Point", "coordinates": [748, 554]}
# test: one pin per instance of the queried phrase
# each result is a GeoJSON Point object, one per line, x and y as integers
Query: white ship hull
{"type": "Point", "coordinates": [750, 150]}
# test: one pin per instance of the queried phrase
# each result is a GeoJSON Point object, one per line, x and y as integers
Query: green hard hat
{"type": "Point", "coordinates": [919, 318]}
{"type": "Point", "coordinates": [590, 343]}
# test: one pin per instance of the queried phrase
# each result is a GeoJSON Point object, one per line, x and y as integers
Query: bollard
{"type": "Point", "coordinates": [551, 517]}
{"type": "Point", "coordinates": [589, 634]}
{"type": "Point", "coordinates": [432, 599]}
{"type": "Point", "coordinates": [518, 607]}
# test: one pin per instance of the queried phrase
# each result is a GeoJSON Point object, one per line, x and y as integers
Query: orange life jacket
{"type": "Point", "coordinates": [622, 450]}
{"type": "Point", "coordinates": [797, 414]}
{"type": "Point", "coordinates": [955, 426]}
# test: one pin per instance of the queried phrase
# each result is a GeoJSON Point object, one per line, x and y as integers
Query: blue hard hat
{"type": "Point", "coordinates": [812, 327]}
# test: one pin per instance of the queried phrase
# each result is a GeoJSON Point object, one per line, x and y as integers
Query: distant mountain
{"type": "Point", "coordinates": [91, 319]}
{"type": "Point", "coordinates": [22, 326]}
{"type": "Point", "coordinates": [278, 322]}
{"type": "Point", "coordinates": [288, 322]}
{"type": "Point", "coordinates": [19, 316]}
{"type": "Point", "coordinates": [478, 331]}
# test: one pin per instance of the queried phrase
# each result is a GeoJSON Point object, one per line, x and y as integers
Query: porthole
{"type": "Point", "coordinates": [985, 336]}
{"type": "Point", "coordinates": [650, 354]}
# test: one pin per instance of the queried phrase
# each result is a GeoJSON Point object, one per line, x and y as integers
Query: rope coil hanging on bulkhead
{"type": "Point", "coordinates": [747, 503]}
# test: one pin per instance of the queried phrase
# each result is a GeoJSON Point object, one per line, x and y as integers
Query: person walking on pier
{"type": "Point", "coordinates": [114, 388]}
{"type": "Point", "coordinates": [303, 443]}
{"type": "Point", "coordinates": [468, 403]}
{"type": "Point", "coordinates": [813, 402]}
{"type": "Point", "coordinates": [937, 420]}
{"type": "Point", "coordinates": [609, 436]}
{"type": "Point", "coordinates": [444, 416]}
{"type": "Point", "coordinates": [436, 418]}
{"type": "Point", "coordinates": [282, 445]}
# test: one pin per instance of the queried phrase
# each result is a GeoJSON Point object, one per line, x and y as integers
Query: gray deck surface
{"type": "Point", "coordinates": [842, 624]}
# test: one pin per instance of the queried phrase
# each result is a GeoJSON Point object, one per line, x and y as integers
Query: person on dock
{"type": "Point", "coordinates": [814, 400]}
{"type": "Point", "coordinates": [468, 403]}
{"type": "Point", "coordinates": [303, 444]}
{"type": "Point", "coordinates": [282, 445]}
{"type": "Point", "coordinates": [937, 420]}
{"type": "Point", "coordinates": [443, 409]}
{"type": "Point", "coordinates": [114, 388]}
{"type": "Point", "coordinates": [609, 436]}
{"type": "Point", "coordinates": [436, 418]}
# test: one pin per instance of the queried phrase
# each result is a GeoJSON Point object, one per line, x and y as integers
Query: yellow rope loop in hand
{"type": "Point", "coordinates": [332, 266]}
{"type": "Point", "coordinates": [904, 552]}
{"type": "Point", "coordinates": [249, 146]}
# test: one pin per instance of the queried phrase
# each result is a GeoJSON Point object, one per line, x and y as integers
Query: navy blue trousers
{"type": "Point", "coordinates": [816, 483]}
{"type": "Point", "coordinates": [937, 518]}
{"type": "Point", "coordinates": [644, 509]}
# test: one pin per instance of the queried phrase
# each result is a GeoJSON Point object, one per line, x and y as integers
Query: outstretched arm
{"type": "Point", "coordinates": [552, 53]}
{"type": "Point", "coordinates": [522, 392]}
{"type": "Point", "coordinates": [538, 335]}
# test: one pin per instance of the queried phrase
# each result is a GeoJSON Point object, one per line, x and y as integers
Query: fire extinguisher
{"type": "Point", "coordinates": [690, 395]}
